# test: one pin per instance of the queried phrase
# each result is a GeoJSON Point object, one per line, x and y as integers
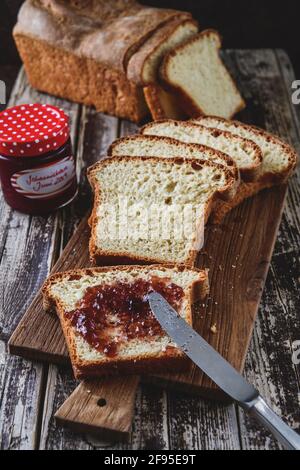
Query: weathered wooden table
{"type": "Point", "coordinates": [31, 392]}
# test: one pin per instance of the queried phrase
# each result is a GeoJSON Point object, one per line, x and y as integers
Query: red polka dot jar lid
{"type": "Point", "coordinates": [30, 130]}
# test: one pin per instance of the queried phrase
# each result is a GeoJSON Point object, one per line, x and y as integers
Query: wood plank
{"type": "Point", "coordinates": [269, 363]}
{"type": "Point", "coordinates": [27, 248]}
{"type": "Point", "coordinates": [104, 406]}
{"type": "Point", "coordinates": [21, 385]}
{"type": "Point", "coordinates": [200, 424]}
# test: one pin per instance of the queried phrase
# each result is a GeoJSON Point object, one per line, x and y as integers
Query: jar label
{"type": "Point", "coordinates": [45, 181]}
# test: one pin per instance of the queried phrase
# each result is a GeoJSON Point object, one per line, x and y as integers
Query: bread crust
{"type": "Point", "coordinates": [268, 178]}
{"type": "Point", "coordinates": [245, 191]}
{"type": "Point", "coordinates": [249, 173]}
{"type": "Point", "coordinates": [62, 73]}
{"type": "Point", "coordinates": [135, 68]}
{"type": "Point", "coordinates": [81, 53]}
{"type": "Point", "coordinates": [188, 104]}
{"type": "Point", "coordinates": [172, 357]}
{"type": "Point", "coordinates": [99, 256]}
{"type": "Point", "coordinates": [154, 96]}
{"type": "Point", "coordinates": [108, 34]}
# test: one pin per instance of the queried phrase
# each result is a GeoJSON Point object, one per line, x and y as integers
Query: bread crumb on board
{"type": "Point", "coordinates": [213, 328]}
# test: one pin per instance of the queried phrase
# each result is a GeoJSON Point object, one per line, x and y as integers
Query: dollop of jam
{"type": "Point", "coordinates": [109, 315]}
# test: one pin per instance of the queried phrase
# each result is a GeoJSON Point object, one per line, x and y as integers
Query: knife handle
{"type": "Point", "coordinates": [281, 431]}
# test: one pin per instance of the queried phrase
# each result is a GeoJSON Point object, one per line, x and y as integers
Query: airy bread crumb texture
{"type": "Point", "coordinates": [279, 158]}
{"type": "Point", "coordinates": [167, 201]}
{"type": "Point", "coordinates": [195, 70]}
{"type": "Point", "coordinates": [155, 146]}
{"type": "Point", "coordinates": [246, 154]}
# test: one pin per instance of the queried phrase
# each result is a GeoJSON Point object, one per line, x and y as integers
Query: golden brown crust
{"type": "Point", "coordinates": [68, 76]}
{"type": "Point", "coordinates": [245, 190]}
{"type": "Point", "coordinates": [172, 357]}
{"type": "Point", "coordinates": [99, 256]}
{"type": "Point", "coordinates": [186, 101]}
{"type": "Point", "coordinates": [108, 34]}
{"type": "Point", "coordinates": [137, 61]}
{"type": "Point", "coordinates": [163, 104]}
{"type": "Point", "coordinates": [249, 173]}
{"type": "Point", "coordinates": [81, 53]}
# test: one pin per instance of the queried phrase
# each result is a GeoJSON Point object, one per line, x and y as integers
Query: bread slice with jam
{"type": "Point", "coordinates": [107, 322]}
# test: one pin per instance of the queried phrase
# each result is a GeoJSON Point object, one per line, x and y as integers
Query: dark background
{"type": "Point", "coordinates": [243, 24]}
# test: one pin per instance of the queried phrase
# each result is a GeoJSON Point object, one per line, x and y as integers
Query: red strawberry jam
{"type": "Point", "coordinates": [108, 315]}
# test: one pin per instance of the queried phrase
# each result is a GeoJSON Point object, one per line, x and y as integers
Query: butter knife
{"type": "Point", "coordinates": [220, 371]}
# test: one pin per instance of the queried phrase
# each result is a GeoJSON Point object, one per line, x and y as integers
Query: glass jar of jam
{"type": "Point", "coordinates": [37, 167]}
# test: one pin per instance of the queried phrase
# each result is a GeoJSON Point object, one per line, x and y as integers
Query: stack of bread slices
{"type": "Point", "coordinates": [153, 196]}
{"type": "Point", "coordinates": [125, 58]}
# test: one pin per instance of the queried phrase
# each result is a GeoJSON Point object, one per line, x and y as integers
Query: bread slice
{"type": "Point", "coordinates": [144, 64]}
{"type": "Point", "coordinates": [118, 334]}
{"type": "Point", "coordinates": [154, 146]}
{"type": "Point", "coordinates": [279, 160]}
{"type": "Point", "coordinates": [163, 104]}
{"type": "Point", "coordinates": [246, 154]}
{"type": "Point", "coordinates": [151, 209]}
{"type": "Point", "coordinates": [195, 71]}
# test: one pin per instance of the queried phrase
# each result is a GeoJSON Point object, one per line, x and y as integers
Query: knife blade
{"type": "Point", "coordinates": [220, 371]}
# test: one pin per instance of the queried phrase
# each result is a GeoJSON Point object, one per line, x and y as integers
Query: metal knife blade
{"type": "Point", "coordinates": [200, 352]}
{"type": "Point", "coordinates": [220, 371]}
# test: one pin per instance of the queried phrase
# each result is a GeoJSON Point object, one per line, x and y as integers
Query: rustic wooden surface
{"type": "Point", "coordinates": [31, 393]}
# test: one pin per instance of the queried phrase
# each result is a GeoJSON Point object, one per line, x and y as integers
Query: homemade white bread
{"type": "Point", "coordinates": [279, 160]}
{"type": "Point", "coordinates": [196, 73]}
{"type": "Point", "coordinates": [80, 50]}
{"type": "Point", "coordinates": [153, 146]}
{"type": "Point", "coordinates": [107, 335]}
{"type": "Point", "coordinates": [246, 154]}
{"type": "Point", "coordinates": [152, 209]}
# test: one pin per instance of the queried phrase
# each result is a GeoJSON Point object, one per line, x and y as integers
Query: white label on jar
{"type": "Point", "coordinates": [45, 181]}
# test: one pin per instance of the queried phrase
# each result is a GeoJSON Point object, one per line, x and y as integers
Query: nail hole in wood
{"type": "Point", "coordinates": [101, 402]}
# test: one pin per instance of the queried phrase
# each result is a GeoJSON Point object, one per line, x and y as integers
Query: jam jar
{"type": "Point", "coordinates": [37, 167]}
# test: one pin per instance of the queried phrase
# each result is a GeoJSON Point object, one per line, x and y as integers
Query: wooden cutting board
{"type": "Point", "coordinates": [237, 254]}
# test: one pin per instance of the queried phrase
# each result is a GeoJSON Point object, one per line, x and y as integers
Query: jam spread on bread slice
{"type": "Point", "coordinates": [109, 315]}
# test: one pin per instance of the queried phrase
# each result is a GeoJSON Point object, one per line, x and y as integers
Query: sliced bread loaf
{"type": "Point", "coordinates": [246, 154]}
{"type": "Point", "coordinates": [196, 73]}
{"type": "Point", "coordinates": [106, 319]}
{"type": "Point", "coordinates": [279, 161]}
{"type": "Point", "coordinates": [153, 146]}
{"type": "Point", "coordinates": [151, 209]}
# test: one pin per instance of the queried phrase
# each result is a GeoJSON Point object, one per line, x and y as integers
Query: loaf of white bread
{"type": "Point", "coordinates": [124, 58]}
